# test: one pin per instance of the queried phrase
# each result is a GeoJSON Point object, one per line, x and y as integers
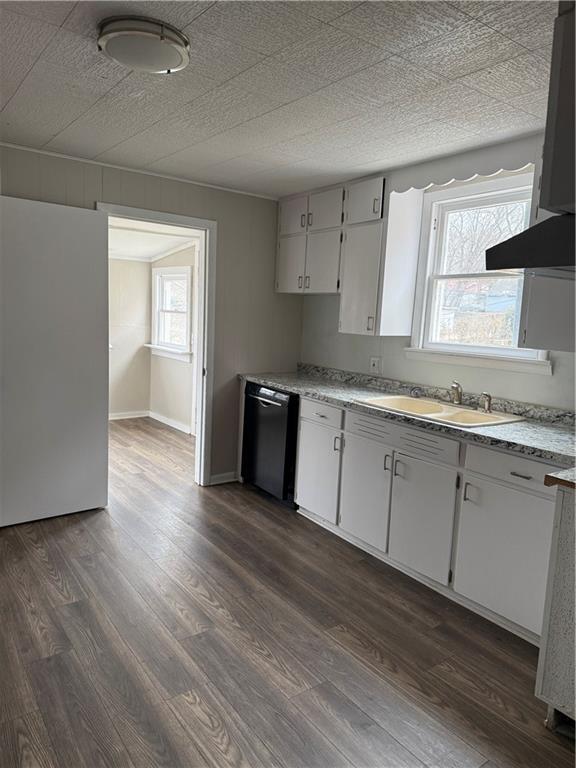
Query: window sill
{"type": "Point", "coordinates": [513, 364]}
{"type": "Point", "coordinates": [159, 351]}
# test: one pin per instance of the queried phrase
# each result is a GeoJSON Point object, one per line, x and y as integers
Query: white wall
{"type": "Point", "coordinates": [172, 391]}
{"type": "Point", "coordinates": [323, 345]}
{"type": "Point", "coordinates": [256, 329]}
{"type": "Point", "coordinates": [129, 292]}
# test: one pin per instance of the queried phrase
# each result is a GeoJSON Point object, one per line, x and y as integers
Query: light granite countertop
{"type": "Point", "coordinates": [566, 478]}
{"type": "Point", "coordinates": [554, 443]}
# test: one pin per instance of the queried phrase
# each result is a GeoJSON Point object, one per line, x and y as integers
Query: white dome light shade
{"type": "Point", "coordinates": [143, 44]}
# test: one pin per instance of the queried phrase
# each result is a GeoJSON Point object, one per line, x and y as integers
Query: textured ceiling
{"type": "Point", "coordinates": [279, 96]}
{"type": "Point", "coordinates": [145, 240]}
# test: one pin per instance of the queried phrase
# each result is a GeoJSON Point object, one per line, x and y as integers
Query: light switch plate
{"type": "Point", "coordinates": [375, 364]}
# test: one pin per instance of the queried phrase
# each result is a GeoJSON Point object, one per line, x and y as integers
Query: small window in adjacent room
{"type": "Point", "coordinates": [171, 322]}
{"type": "Point", "coordinates": [464, 308]}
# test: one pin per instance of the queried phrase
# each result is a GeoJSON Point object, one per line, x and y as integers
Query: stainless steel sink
{"type": "Point", "coordinates": [433, 410]}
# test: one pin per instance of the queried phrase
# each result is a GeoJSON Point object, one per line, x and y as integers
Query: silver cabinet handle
{"type": "Point", "coordinates": [466, 497]}
{"type": "Point", "coordinates": [310, 219]}
{"type": "Point", "coordinates": [337, 443]}
{"type": "Point", "coordinates": [386, 467]}
{"type": "Point", "coordinates": [303, 220]}
{"type": "Point", "coordinates": [376, 205]}
{"type": "Point", "coordinates": [307, 282]}
{"type": "Point", "coordinates": [521, 476]}
{"type": "Point", "coordinates": [397, 464]}
{"type": "Point", "coordinates": [299, 281]}
{"type": "Point", "coordinates": [370, 323]}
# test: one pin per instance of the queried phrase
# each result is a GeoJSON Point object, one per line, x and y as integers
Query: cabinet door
{"type": "Point", "coordinates": [293, 213]}
{"type": "Point", "coordinates": [290, 264]}
{"type": "Point", "coordinates": [422, 516]}
{"type": "Point", "coordinates": [359, 277]}
{"type": "Point", "coordinates": [365, 490]}
{"type": "Point", "coordinates": [541, 328]}
{"type": "Point", "coordinates": [503, 550]}
{"type": "Point", "coordinates": [364, 200]}
{"type": "Point", "coordinates": [318, 471]}
{"type": "Point", "coordinates": [322, 262]}
{"type": "Point", "coordinates": [325, 209]}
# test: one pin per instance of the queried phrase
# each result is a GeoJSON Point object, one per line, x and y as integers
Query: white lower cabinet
{"type": "Point", "coordinates": [503, 550]}
{"type": "Point", "coordinates": [318, 469]}
{"type": "Point", "coordinates": [365, 490]}
{"type": "Point", "coordinates": [422, 516]}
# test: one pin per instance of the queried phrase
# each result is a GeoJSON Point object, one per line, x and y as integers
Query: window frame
{"type": "Point", "coordinates": [436, 204]}
{"type": "Point", "coordinates": [158, 273]}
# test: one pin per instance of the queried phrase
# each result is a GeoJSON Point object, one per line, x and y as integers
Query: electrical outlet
{"type": "Point", "coordinates": [375, 364]}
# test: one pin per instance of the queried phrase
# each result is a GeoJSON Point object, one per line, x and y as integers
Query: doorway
{"type": "Point", "coordinates": [161, 275]}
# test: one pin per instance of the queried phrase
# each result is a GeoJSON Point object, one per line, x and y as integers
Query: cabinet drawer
{"type": "Point", "coordinates": [370, 426]}
{"type": "Point", "coordinates": [314, 410]}
{"type": "Point", "coordinates": [428, 445]}
{"type": "Point", "coordinates": [525, 473]}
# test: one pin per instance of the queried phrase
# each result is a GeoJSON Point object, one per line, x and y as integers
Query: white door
{"type": "Point", "coordinates": [360, 273]}
{"type": "Point", "coordinates": [325, 209]}
{"type": "Point", "coordinates": [54, 358]}
{"type": "Point", "coordinates": [322, 262]}
{"type": "Point", "coordinates": [503, 550]}
{"type": "Point", "coordinates": [422, 516]}
{"type": "Point", "coordinates": [365, 490]}
{"type": "Point", "coordinates": [291, 264]}
{"type": "Point", "coordinates": [318, 470]}
{"type": "Point", "coordinates": [293, 213]}
{"type": "Point", "coordinates": [364, 200]}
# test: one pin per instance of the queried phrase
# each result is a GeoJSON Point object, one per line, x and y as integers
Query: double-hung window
{"type": "Point", "coordinates": [465, 308]}
{"type": "Point", "coordinates": [171, 317]}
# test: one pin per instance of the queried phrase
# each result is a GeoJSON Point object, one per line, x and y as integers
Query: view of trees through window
{"type": "Point", "coordinates": [470, 306]}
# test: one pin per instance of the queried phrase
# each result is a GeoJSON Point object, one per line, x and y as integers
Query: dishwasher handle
{"type": "Point", "coordinates": [265, 402]}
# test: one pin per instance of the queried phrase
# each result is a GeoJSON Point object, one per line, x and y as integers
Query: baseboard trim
{"type": "Point", "coordinates": [225, 477]}
{"type": "Point", "coordinates": [127, 415]}
{"type": "Point", "coordinates": [180, 425]}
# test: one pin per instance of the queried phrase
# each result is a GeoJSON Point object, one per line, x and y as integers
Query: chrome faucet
{"type": "Point", "coordinates": [456, 393]}
{"type": "Point", "coordinates": [486, 400]}
{"type": "Point", "coordinates": [416, 392]}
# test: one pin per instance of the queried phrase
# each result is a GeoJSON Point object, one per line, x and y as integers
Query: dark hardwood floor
{"type": "Point", "coordinates": [188, 627]}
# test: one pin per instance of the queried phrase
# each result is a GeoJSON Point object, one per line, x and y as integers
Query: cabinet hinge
{"type": "Point", "coordinates": [342, 218]}
{"type": "Point", "coordinates": [435, 224]}
{"type": "Point", "coordinates": [344, 194]}
{"type": "Point", "coordinates": [342, 234]}
{"type": "Point", "coordinates": [457, 481]}
{"type": "Point", "coordinates": [338, 284]}
{"type": "Point", "coordinates": [450, 576]}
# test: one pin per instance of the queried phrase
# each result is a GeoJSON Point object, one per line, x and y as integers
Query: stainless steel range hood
{"type": "Point", "coordinates": [550, 243]}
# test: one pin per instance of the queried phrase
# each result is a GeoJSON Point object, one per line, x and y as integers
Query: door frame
{"type": "Point", "coordinates": [205, 324]}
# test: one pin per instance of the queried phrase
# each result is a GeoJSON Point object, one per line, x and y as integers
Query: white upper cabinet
{"type": "Point", "coordinates": [365, 490]}
{"type": "Point", "coordinates": [291, 264]}
{"type": "Point", "coordinates": [364, 200]}
{"type": "Point", "coordinates": [323, 262]}
{"type": "Point", "coordinates": [293, 215]}
{"type": "Point", "coordinates": [325, 209]}
{"type": "Point", "coordinates": [547, 316]}
{"type": "Point", "coordinates": [360, 270]}
{"type": "Point", "coordinates": [503, 550]}
{"type": "Point", "coordinates": [422, 516]}
{"type": "Point", "coordinates": [400, 262]}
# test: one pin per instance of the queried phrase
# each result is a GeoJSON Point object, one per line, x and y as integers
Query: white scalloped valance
{"type": "Point", "coordinates": [485, 161]}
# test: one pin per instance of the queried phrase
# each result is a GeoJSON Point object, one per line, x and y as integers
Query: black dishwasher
{"type": "Point", "coordinates": [269, 440]}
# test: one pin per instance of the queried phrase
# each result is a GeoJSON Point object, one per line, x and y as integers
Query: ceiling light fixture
{"type": "Point", "coordinates": [146, 45]}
